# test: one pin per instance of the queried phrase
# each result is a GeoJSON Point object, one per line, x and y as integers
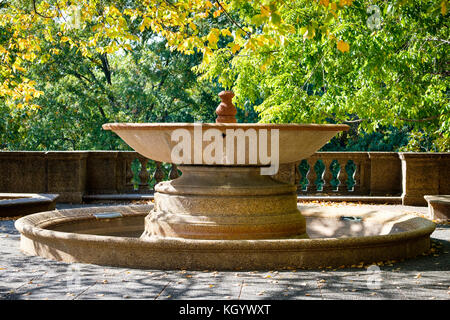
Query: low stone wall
{"type": "Point", "coordinates": [424, 174]}
{"type": "Point", "coordinates": [74, 174]}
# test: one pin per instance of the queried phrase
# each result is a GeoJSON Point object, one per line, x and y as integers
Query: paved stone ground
{"type": "Point", "coordinates": [23, 277]}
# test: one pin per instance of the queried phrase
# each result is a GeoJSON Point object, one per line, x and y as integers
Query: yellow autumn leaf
{"type": "Point", "coordinates": [324, 2]}
{"type": "Point", "coordinates": [265, 11]}
{"type": "Point", "coordinates": [345, 2]}
{"type": "Point", "coordinates": [207, 52]}
{"type": "Point", "coordinates": [343, 46]}
{"type": "Point", "coordinates": [226, 32]}
{"type": "Point", "coordinates": [235, 47]}
{"type": "Point", "coordinates": [208, 4]}
{"type": "Point", "coordinates": [444, 7]}
{"type": "Point", "coordinates": [18, 68]}
{"type": "Point", "coordinates": [213, 36]}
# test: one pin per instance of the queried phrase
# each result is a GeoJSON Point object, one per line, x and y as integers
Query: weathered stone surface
{"type": "Point", "coordinates": [154, 140]}
{"type": "Point", "coordinates": [18, 204]}
{"type": "Point", "coordinates": [23, 172]}
{"type": "Point", "coordinates": [438, 206]}
{"type": "Point", "coordinates": [109, 172]}
{"type": "Point", "coordinates": [102, 172]}
{"type": "Point", "coordinates": [385, 173]}
{"type": "Point", "coordinates": [209, 202]}
{"type": "Point", "coordinates": [401, 236]}
{"type": "Point", "coordinates": [66, 175]}
{"type": "Point", "coordinates": [424, 174]}
{"type": "Point", "coordinates": [226, 111]}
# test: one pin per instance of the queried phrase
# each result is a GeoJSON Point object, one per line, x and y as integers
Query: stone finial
{"type": "Point", "coordinates": [226, 111]}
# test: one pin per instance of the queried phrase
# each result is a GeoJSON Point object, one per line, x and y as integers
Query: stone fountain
{"type": "Point", "coordinates": [226, 211]}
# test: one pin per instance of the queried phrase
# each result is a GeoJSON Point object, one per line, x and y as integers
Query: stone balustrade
{"type": "Point", "coordinates": [74, 174]}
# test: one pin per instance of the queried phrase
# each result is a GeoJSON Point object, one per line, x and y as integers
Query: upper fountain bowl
{"type": "Point", "coordinates": [164, 141]}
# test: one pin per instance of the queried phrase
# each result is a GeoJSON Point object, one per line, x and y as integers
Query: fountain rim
{"type": "Point", "coordinates": [187, 125]}
{"type": "Point", "coordinates": [36, 226]}
{"type": "Point", "coordinates": [193, 254]}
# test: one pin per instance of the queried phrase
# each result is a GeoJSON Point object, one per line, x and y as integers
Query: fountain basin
{"type": "Point", "coordinates": [295, 141]}
{"type": "Point", "coordinates": [111, 236]}
{"type": "Point", "coordinates": [18, 204]}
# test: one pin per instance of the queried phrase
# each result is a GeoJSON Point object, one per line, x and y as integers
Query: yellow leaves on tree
{"type": "Point", "coordinates": [345, 3]}
{"type": "Point", "coordinates": [343, 46]}
{"type": "Point", "coordinates": [213, 38]}
{"type": "Point", "coordinates": [235, 47]}
{"type": "Point", "coordinates": [182, 23]}
{"type": "Point", "coordinates": [444, 7]}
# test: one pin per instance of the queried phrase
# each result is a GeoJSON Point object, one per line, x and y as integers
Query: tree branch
{"type": "Point", "coordinates": [403, 119]}
{"type": "Point", "coordinates": [421, 120]}
{"type": "Point", "coordinates": [436, 39]}
{"type": "Point", "coordinates": [105, 67]}
{"type": "Point", "coordinates": [231, 19]}
{"type": "Point", "coordinates": [354, 121]}
{"type": "Point", "coordinates": [39, 14]}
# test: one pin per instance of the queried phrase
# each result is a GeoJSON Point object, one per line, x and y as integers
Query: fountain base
{"type": "Point", "coordinates": [225, 203]}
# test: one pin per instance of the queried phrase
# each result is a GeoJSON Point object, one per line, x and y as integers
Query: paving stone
{"type": "Point", "coordinates": [24, 277]}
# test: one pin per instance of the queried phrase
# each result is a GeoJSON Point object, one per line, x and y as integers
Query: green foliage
{"type": "Point", "coordinates": [300, 61]}
{"type": "Point", "coordinates": [335, 68]}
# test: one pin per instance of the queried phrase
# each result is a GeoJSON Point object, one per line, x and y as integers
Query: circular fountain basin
{"type": "Point", "coordinates": [18, 204]}
{"type": "Point", "coordinates": [111, 236]}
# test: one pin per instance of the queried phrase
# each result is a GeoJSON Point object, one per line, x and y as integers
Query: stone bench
{"type": "Point", "coordinates": [439, 206]}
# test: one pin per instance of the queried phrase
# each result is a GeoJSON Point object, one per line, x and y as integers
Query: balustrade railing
{"type": "Point", "coordinates": [76, 174]}
{"type": "Point", "coordinates": [333, 173]}
{"type": "Point", "coordinates": [142, 174]}
{"type": "Point", "coordinates": [323, 173]}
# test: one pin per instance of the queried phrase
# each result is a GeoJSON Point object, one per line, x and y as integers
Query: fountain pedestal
{"type": "Point", "coordinates": [224, 203]}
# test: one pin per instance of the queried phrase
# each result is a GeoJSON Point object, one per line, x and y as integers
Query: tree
{"type": "Point", "coordinates": [151, 84]}
{"type": "Point", "coordinates": [298, 61]}
{"type": "Point", "coordinates": [347, 67]}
